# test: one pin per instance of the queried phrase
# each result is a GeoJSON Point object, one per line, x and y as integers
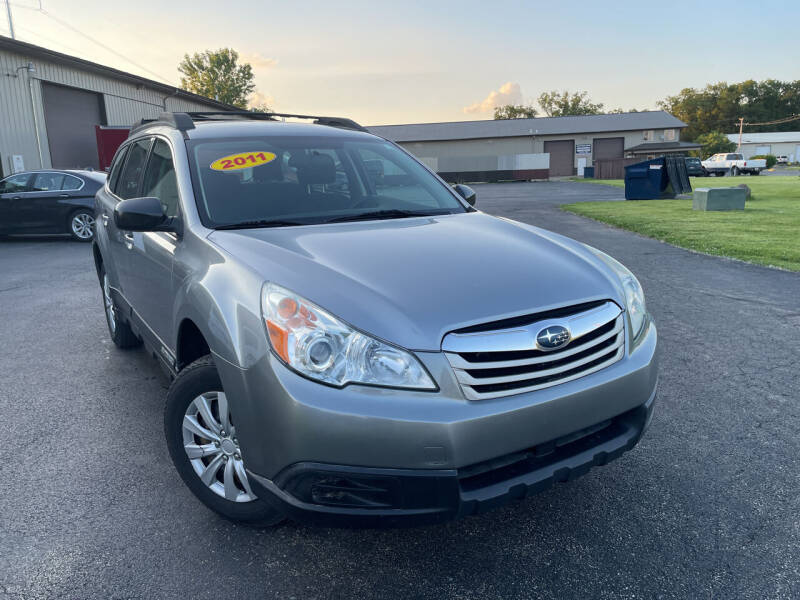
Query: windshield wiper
{"type": "Point", "coordinates": [393, 213]}
{"type": "Point", "coordinates": [260, 223]}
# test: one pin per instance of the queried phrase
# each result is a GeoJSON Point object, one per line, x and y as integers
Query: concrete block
{"type": "Point", "coordinates": [731, 198]}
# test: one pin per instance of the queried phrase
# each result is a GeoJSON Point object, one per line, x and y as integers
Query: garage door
{"type": "Point", "coordinates": [608, 148]}
{"type": "Point", "coordinates": [562, 157]}
{"type": "Point", "coordinates": [70, 115]}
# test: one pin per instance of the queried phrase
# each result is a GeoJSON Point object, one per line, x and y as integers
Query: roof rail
{"type": "Point", "coordinates": [184, 121]}
{"type": "Point", "coordinates": [270, 116]}
{"type": "Point", "coordinates": [180, 121]}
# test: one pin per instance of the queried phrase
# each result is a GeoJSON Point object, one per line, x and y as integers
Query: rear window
{"type": "Point", "coordinates": [308, 179]}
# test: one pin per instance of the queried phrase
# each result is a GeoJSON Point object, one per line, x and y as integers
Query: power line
{"type": "Point", "coordinates": [35, 36]}
{"type": "Point", "coordinates": [102, 45]}
{"type": "Point", "coordinates": [777, 122]}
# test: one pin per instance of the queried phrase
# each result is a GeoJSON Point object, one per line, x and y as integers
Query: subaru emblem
{"type": "Point", "coordinates": [553, 338]}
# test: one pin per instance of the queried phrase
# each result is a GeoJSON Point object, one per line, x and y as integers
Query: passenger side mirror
{"type": "Point", "coordinates": [466, 192]}
{"type": "Point", "coordinates": [142, 214]}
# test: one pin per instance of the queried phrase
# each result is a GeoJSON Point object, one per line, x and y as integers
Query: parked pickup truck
{"type": "Point", "coordinates": [722, 164]}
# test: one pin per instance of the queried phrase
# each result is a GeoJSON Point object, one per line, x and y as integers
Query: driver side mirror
{"type": "Point", "coordinates": [466, 192]}
{"type": "Point", "coordinates": [142, 214]}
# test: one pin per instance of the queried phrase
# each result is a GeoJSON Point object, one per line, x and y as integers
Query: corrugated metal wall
{"type": "Point", "coordinates": [124, 104]}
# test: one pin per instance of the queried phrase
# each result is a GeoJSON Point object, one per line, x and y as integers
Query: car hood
{"type": "Point", "coordinates": [411, 281]}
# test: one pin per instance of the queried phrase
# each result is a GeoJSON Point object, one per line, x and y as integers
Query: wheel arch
{"type": "Point", "coordinates": [191, 344]}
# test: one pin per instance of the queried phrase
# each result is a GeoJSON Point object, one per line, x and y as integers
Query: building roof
{"type": "Point", "coordinates": [649, 147]}
{"type": "Point", "coordinates": [33, 51]}
{"type": "Point", "coordinates": [772, 137]}
{"type": "Point", "coordinates": [470, 130]}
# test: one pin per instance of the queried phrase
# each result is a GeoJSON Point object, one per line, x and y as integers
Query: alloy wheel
{"type": "Point", "coordinates": [82, 226]}
{"type": "Point", "coordinates": [209, 439]}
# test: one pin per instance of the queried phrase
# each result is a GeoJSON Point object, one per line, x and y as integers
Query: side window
{"type": "Point", "coordinates": [116, 168]}
{"type": "Point", "coordinates": [71, 183]}
{"type": "Point", "coordinates": [159, 178]}
{"type": "Point", "coordinates": [128, 184]}
{"type": "Point", "coordinates": [15, 183]}
{"type": "Point", "coordinates": [47, 182]}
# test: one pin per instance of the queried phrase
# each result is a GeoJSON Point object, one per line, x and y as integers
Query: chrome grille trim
{"type": "Point", "coordinates": [605, 346]}
{"type": "Point", "coordinates": [519, 338]}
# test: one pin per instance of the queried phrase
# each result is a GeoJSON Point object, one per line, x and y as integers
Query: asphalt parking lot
{"type": "Point", "coordinates": [707, 506]}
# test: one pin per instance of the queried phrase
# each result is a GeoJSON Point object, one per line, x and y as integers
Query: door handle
{"type": "Point", "coordinates": [128, 240]}
{"type": "Point", "coordinates": [63, 195]}
{"type": "Point", "coordinates": [16, 197]}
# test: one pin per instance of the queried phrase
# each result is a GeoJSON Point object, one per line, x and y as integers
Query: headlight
{"type": "Point", "coordinates": [315, 343]}
{"type": "Point", "coordinates": [634, 295]}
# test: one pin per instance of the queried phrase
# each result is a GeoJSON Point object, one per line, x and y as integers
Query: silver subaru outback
{"type": "Point", "coordinates": [351, 341]}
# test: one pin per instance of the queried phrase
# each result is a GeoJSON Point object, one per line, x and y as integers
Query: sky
{"type": "Point", "coordinates": [384, 62]}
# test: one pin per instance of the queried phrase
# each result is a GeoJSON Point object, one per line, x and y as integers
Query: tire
{"type": "Point", "coordinates": [119, 330]}
{"type": "Point", "coordinates": [755, 172]}
{"type": "Point", "coordinates": [193, 422]}
{"type": "Point", "coordinates": [80, 225]}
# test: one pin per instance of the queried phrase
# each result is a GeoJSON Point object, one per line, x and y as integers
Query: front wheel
{"type": "Point", "coordinates": [201, 437]}
{"type": "Point", "coordinates": [81, 225]}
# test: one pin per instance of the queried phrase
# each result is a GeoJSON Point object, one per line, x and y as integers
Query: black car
{"type": "Point", "coordinates": [51, 201]}
{"type": "Point", "coordinates": [694, 167]}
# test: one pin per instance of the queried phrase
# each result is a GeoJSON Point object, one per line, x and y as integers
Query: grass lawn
{"type": "Point", "coordinates": [767, 232]}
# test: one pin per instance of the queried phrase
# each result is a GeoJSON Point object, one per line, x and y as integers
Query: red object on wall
{"type": "Point", "coordinates": [108, 140]}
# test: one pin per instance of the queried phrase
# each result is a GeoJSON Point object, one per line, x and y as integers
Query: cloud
{"type": "Point", "coordinates": [509, 93]}
{"type": "Point", "coordinates": [259, 99]}
{"type": "Point", "coordinates": [257, 61]}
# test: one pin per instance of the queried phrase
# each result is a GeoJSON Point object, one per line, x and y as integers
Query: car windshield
{"type": "Point", "coordinates": [303, 180]}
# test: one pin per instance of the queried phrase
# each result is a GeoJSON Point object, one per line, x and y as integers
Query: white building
{"type": "Point", "coordinates": [777, 143]}
{"type": "Point", "coordinates": [50, 104]}
{"type": "Point", "coordinates": [537, 148]}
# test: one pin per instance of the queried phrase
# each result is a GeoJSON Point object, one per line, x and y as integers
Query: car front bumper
{"type": "Point", "coordinates": [379, 457]}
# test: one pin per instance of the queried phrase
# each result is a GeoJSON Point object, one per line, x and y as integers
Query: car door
{"type": "Point", "coordinates": [40, 210]}
{"type": "Point", "coordinates": [13, 192]}
{"type": "Point", "coordinates": [107, 236]}
{"type": "Point", "coordinates": [147, 274]}
{"type": "Point", "coordinates": [126, 186]}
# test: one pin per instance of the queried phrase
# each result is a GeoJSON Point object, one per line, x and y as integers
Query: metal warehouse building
{"type": "Point", "coordinates": [50, 104]}
{"type": "Point", "coordinates": [538, 148]}
{"type": "Point", "coordinates": [778, 143]}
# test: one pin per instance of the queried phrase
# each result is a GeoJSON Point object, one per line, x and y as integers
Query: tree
{"type": "Point", "coordinates": [217, 74]}
{"type": "Point", "coordinates": [718, 106]}
{"type": "Point", "coordinates": [514, 111]}
{"type": "Point", "coordinates": [562, 104]}
{"type": "Point", "coordinates": [714, 142]}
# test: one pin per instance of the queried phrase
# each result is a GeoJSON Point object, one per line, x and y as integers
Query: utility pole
{"type": "Point", "coordinates": [10, 20]}
{"type": "Point", "coordinates": [741, 124]}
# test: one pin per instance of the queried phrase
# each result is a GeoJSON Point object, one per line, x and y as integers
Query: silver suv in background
{"type": "Point", "coordinates": [350, 340]}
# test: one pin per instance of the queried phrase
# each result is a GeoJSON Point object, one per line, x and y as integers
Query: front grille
{"type": "Point", "coordinates": [502, 362]}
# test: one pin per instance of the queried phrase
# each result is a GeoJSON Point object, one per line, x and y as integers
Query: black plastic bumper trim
{"type": "Point", "coordinates": [435, 496]}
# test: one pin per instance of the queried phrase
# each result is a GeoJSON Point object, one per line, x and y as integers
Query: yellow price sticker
{"type": "Point", "coordinates": [242, 160]}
